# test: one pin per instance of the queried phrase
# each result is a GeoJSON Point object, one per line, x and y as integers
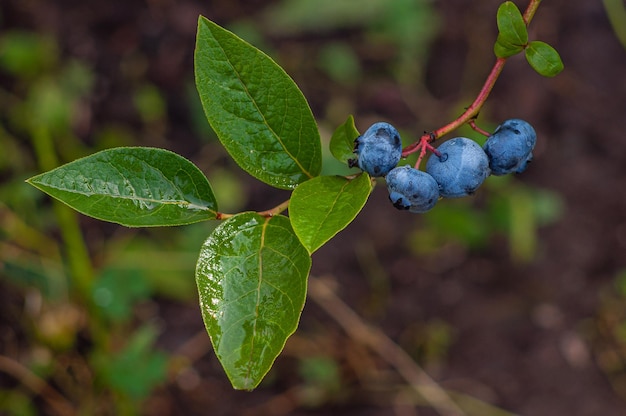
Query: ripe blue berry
{"type": "Point", "coordinates": [411, 189]}
{"type": "Point", "coordinates": [510, 147]}
{"type": "Point", "coordinates": [460, 169]}
{"type": "Point", "coordinates": [378, 150]}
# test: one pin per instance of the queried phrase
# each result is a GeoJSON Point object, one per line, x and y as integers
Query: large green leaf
{"type": "Point", "coordinates": [132, 186]}
{"type": "Point", "coordinates": [544, 58]}
{"type": "Point", "coordinates": [255, 108]}
{"type": "Point", "coordinates": [323, 206]}
{"type": "Point", "coordinates": [511, 26]}
{"type": "Point", "coordinates": [342, 141]}
{"type": "Point", "coordinates": [252, 279]}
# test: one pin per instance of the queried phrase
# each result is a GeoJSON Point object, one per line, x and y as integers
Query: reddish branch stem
{"type": "Point", "coordinates": [470, 114]}
{"type": "Point", "coordinates": [473, 110]}
{"type": "Point", "coordinates": [529, 13]}
{"type": "Point", "coordinates": [472, 124]}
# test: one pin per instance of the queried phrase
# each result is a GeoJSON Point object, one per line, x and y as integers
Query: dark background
{"type": "Point", "coordinates": [529, 317]}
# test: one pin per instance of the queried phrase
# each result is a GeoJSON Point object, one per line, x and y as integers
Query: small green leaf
{"type": "Point", "coordinates": [511, 26]}
{"type": "Point", "coordinates": [132, 186]}
{"type": "Point", "coordinates": [342, 141]}
{"type": "Point", "coordinates": [502, 49]}
{"type": "Point", "coordinates": [252, 278]}
{"type": "Point", "coordinates": [323, 206]}
{"type": "Point", "coordinates": [257, 111]}
{"type": "Point", "coordinates": [544, 58]}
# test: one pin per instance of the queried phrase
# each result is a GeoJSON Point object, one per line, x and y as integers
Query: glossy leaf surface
{"type": "Point", "coordinates": [323, 206]}
{"type": "Point", "coordinates": [255, 108]}
{"type": "Point", "coordinates": [132, 186]}
{"type": "Point", "coordinates": [252, 278]}
{"type": "Point", "coordinates": [544, 58]}
{"type": "Point", "coordinates": [342, 141]}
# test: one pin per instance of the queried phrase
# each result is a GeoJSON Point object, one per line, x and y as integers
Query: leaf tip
{"type": "Point", "coordinates": [32, 181]}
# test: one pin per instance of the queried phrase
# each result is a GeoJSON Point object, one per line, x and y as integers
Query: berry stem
{"type": "Point", "coordinates": [424, 146]}
{"type": "Point", "coordinates": [472, 111]}
{"type": "Point", "coordinates": [472, 124]}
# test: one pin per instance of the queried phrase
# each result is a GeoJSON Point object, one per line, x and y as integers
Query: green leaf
{"type": "Point", "coordinates": [342, 140]}
{"type": "Point", "coordinates": [132, 186]}
{"type": "Point", "coordinates": [503, 49]}
{"type": "Point", "coordinates": [511, 26]}
{"type": "Point", "coordinates": [544, 58]}
{"type": "Point", "coordinates": [252, 279]}
{"type": "Point", "coordinates": [323, 206]}
{"type": "Point", "coordinates": [256, 109]}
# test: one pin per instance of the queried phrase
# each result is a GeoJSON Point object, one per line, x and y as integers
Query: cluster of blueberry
{"type": "Point", "coordinates": [456, 169]}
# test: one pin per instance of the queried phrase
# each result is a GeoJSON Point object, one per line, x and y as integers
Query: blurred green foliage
{"type": "Point", "coordinates": [27, 55]}
{"type": "Point", "coordinates": [508, 208]}
{"type": "Point", "coordinates": [607, 332]}
{"type": "Point", "coordinates": [150, 103]}
{"type": "Point", "coordinates": [341, 63]}
{"type": "Point", "coordinates": [116, 291]}
{"type": "Point", "coordinates": [321, 380]}
{"type": "Point", "coordinates": [134, 370]}
{"type": "Point", "coordinates": [428, 341]}
{"type": "Point", "coordinates": [616, 12]}
{"type": "Point", "coordinates": [42, 108]}
{"type": "Point", "coordinates": [406, 26]}
{"type": "Point", "coordinates": [16, 403]}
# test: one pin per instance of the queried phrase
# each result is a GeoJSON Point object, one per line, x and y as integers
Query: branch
{"type": "Point", "coordinates": [389, 351]}
{"type": "Point", "coordinates": [472, 111]}
{"type": "Point", "coordinates": [278, 209]}
{"type": "Point", "coordinates": [37, 385]}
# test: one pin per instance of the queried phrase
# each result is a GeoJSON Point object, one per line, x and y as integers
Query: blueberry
{"type": "Point", "coordinates": [510, 147]}
{"type": "Point", "coordinates": [411, 189]}
{"type": "Point", "coordinates": [460, 169]}
{"type": "Point", "coordinates": [522, 166]}
{"type": "Point", "coordinates": [378, 150]}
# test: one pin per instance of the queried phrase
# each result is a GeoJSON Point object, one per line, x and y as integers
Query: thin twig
{"type": "Point", "coordinates": [37, 385]}
{"type": "Point", "coordinates": [472, 124]}
{"type": "Point", "coordinates": [388, 350]}
{"type": "Point", "coordinates": [278, 209]}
